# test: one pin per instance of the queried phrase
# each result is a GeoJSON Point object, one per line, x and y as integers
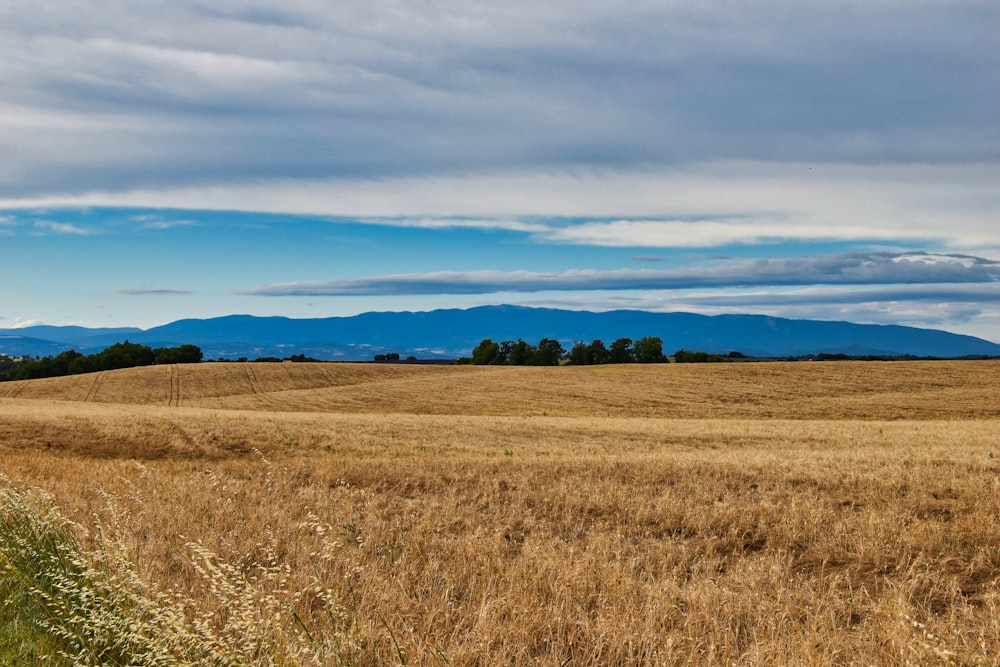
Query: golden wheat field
{"type": "Point", "coordinates": [807, 513]}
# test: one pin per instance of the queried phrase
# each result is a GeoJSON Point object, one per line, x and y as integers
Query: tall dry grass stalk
{"type": "Point", "coordinates": [80, 589]}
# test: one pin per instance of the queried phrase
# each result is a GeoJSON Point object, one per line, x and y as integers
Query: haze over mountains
{"type": "Point", "coordinates": [453, 333]}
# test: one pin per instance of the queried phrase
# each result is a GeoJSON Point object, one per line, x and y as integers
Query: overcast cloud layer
{"type": "Point", "coordinates": [830, 144]}
{"type": "Point", "coordinates": [124, 95]}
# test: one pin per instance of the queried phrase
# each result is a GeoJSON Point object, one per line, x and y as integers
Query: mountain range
{"type": "Point", "coordinates": [443, 334]}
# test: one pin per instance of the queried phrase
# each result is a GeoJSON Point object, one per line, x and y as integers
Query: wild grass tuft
{"type": "Point", "coordinates": [90, 607]}
{"type": "Point", "coordinates": [63, 603]}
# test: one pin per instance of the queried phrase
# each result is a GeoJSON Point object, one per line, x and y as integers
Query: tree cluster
{"type": "Point", "coordinates": [119, 355]}
{"type": "Point", "coordinates": [689, 357]}
{"type": "Point", "coordinates": [10, 363]}
{"type": "Point", "coordinates": [646, 350]}
{"type": "Point", "coordinates": [548, 352]}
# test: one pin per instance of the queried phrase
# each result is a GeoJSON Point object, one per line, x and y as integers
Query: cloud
{"type": "Point", "coordinates": [977, 293]}
{"type": "Point", "coordinates": [20, 323]}
{"type": "Point", "coordinates": [179, 95]}
{"type": "Point", "coordinates": [145, 291]}
{"type": "Point", "coordinates": [457, 223]}
{"type": "Point", "coordinates": [847, 269]}
{"type": "Point", "coordinates": [157, 222]}
{"type": "Point", "coordinates": [955, 206]}
{"type": "Point", "coordinates": [62, 228]}
{"type": "Point", "coordinates": [703, 233]}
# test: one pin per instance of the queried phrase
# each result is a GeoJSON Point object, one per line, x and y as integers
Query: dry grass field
{"type": "Point", "coordinates": [727, 514]}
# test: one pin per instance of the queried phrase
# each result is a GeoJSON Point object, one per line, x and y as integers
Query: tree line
{"type": "Point", "coordinates": [549, 352]}
{"type": "Point", "coordinates": [119, 355]}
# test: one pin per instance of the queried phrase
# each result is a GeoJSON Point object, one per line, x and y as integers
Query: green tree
{"type": "Point", "coordinates": [85, 364]}
{"type": "Point", "coordinates": [584, 354]}
{"type": "Point", "coordinates": [125, 355]}
{"type": "Point", "coordinates": [621, 351]}
{"type": "Point", "coordinates": [63, 361]}
{"type": "Point", "coordinates": [688, 357]}
{"type": "Point", "coordinates": [485, 353]}
{"type": "Point", "coordinates": [548, 352]}
{"type": "Point", "coordinates": [649, 350]}
{"type": "Point", "coordinates": [182, 354]}
{"type": "Point", "coordinates": [521, 353]}
{"type": "Point", "coordinates": [598, 353]}
{"type": "Point", "coordinates": [579, 355]}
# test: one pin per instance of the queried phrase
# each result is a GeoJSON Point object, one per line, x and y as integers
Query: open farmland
{"type": "Point", "coordinates": [801, 513]}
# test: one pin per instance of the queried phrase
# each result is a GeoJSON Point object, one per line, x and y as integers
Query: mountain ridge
{"type": "Point", "coordinates": [449, 333]}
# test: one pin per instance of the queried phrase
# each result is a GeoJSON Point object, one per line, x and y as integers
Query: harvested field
{"type": "Point", "coordinates": [793, 390]}
{"type": "Point", "coordinates": [750, 514]}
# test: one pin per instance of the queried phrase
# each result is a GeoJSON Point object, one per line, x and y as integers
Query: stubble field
{"type": "Point", "coordinates": [751, 514]}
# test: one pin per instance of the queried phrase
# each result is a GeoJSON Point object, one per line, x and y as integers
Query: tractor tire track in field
{"type": "Point", "coordinates": [174, 400]}
{"type": "Point", "coordinates": [264, 397]}
{"type": "Point", "coordinates": [254, 382]}
{"type": "Point", "coordinates": [95, 386]}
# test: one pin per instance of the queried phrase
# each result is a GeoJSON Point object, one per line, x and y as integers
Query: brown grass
{"type": "Point", "coordinates": [794, 390]}
{"type": "Point", "coordinates": [750, 514]}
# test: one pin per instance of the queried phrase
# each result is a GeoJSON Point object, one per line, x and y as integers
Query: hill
{"type": "Point", "coordinates": [453, 333]}
{"type": "Point", "coordinates": [785, 390]}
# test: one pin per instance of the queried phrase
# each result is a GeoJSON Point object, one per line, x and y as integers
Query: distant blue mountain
{"type": "Point", "coordinates": [21, 346]}
{"type": "Point", "coordinates": [453, 333]}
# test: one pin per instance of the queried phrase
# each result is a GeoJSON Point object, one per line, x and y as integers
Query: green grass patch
{"type": "Point", "coordinates": [65, 605]}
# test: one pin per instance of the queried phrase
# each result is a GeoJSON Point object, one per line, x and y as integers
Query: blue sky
{"type": "Point", "coordinates": [829, 160]}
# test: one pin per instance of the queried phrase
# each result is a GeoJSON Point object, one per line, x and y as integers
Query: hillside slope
{"type": "Point", "coordinates": [804, 390]}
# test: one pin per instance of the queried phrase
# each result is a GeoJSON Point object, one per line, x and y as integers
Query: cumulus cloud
{"type": "Point", "coordinates": [846, 269]}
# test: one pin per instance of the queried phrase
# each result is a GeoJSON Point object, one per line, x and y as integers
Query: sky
{"type": "Point", "coordinates": [162, 160]}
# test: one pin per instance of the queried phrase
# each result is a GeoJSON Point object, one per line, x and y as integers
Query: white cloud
{"type": "Point", "coordinates": [848, 269]}
{"type": "Point", "coordinates": [173, 95]}
{"type": "Point", "coordinates": [167, 224]}
{"type": "Point", "coordinates": [457, 223]}
{"type": "Point", "coordinates": [20, 323]}
{"type": "Point", "coordinates": [953, 205]}
{"type": "Point", "coordinates": [62, 228]}
{"type": "Point", "coordinates": [708, 233]}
